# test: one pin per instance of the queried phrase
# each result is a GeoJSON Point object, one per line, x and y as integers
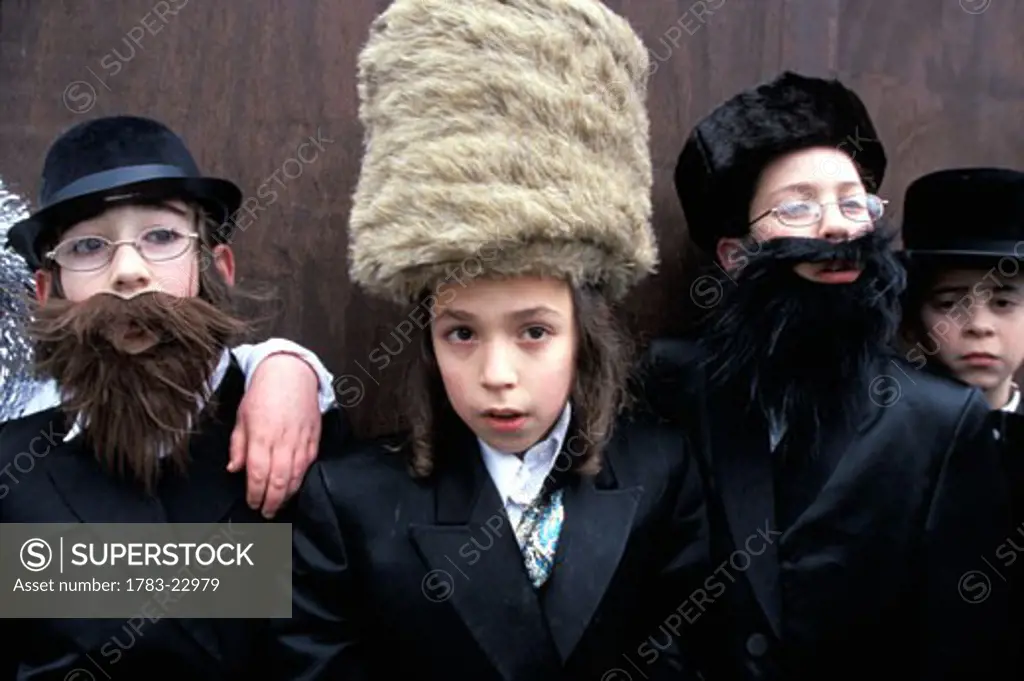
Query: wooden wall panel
{"type": "Point", "coordinates": [248, 82]}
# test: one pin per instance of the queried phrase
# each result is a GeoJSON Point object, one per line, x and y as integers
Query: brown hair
{"type": "Point", "coordinates": [921, 277]}
{"type": "Point", "coordinates": [599, 392]}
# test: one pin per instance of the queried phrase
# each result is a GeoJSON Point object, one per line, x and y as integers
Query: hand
{"type": "Point", "coordinates": [277, 433]}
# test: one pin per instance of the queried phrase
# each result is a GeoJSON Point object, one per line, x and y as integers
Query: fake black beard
{"type": "Point", "coordinates": [799, 349]}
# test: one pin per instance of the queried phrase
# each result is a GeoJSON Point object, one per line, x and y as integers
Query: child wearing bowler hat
{"type": "Point", "coordinates": [132, 327]}
{"type": "Point", "coordinates": [122, 164]}
{"type": "Point", "coordinates": [963, 236]}
{"type": "Point", "coordinates": [523, 528]}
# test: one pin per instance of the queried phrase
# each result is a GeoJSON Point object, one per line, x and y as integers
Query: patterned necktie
{"type": "Point", "coordinates": [538, 532]}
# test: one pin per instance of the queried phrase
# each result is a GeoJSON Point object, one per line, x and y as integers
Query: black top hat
{"type": "Point", "coordinates": [114, 159]}
{"type": "Point", "coordinates": [727, 150]}
{"type": "Point", "coordinates": [965, 214]}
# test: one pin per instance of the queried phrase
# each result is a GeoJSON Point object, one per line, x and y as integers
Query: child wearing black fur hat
{"type": "Point", "coordinates": [879, 486]}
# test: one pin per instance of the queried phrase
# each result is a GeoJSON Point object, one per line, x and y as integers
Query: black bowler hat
{"type": "Point", "coordinates": [728, 149]}
{"type": "Point", "coordinates": [108, 160]}
{"type": "Point", "coordinates": [965, 214]}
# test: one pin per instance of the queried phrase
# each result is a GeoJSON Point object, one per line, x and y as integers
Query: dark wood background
{"type": "Point", "coordinates": [247, 81]}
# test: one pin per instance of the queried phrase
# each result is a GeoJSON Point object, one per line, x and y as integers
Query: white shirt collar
{"type": "Point", "coordinates": [215, 380]}
{"type": "Point", "coordinates": [1014, 401]}
{"type": "Point", "coordinates": [519, 481]}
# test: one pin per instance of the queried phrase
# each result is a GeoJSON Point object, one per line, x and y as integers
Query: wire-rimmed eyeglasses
{"type": "Point", "coordinates": [860, 208]}
{"type": "Point", "coordinates": [90, 253]}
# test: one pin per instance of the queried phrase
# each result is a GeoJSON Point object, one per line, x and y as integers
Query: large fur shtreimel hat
{"type": "Point", "coordinates": [726, 151]}
{"type": "Point", "coordinates": [502, 138]}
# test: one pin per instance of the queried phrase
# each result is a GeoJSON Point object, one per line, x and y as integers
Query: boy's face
{"type": "Point", "coordinates": [130, 343]}
{"type": "Point", "coordinates": [159, 231]}
{"type": "Point", "coordinates": [823, 175]}
{"type": "Point", "coordinates": [506, 352]}
{"type": "Point", "coordinates": [976, 318]}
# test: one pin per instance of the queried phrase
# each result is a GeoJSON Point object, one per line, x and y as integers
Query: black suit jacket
{"type": "Point", "coordinates": [396, 578]}
{"type": "Point", "coordinates": [62, 482]}
{"type": "Point", "coordinates": [1009, 556]}
{"type": "Point", "coordinates": [882, 570]}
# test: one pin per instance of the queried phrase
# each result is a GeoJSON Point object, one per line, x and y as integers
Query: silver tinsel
{"type": "Point", "coordinates": [17, 385]}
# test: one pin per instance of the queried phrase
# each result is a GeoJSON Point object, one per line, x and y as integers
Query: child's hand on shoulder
{"type": "Point", "coordinates": [277, 433]}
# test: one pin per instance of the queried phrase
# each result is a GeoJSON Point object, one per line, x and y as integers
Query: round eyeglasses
{"type": "Point", "coordinates": [861, 208]}
{"type": "Point", "coordinates": [89, 253]}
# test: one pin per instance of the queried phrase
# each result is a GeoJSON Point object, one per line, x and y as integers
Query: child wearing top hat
{"type": "Point", "coordinates": [132, 324]}
{"type": "Point", "coordinates": [524, 529]}
{"type": "Point", "coordinates": [963, 237]}
{"type": "Point", "coordinates": [879, 492]}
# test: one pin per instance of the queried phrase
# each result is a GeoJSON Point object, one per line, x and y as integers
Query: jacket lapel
{"type": "Point", "coordinates": [742, 464]}
{"type": "Point", "coordinates": [597, 526]}
{"type": "Point", "coordinates": [94, 496]}
{"type": "Point", "coordinates": [207, 492]}
{"type": "Point", "coordinates": [743, 471]}
{"type": "Point", "coordinates": [473, 547]}
{"type": "Point", "coordinates": [91, 492]}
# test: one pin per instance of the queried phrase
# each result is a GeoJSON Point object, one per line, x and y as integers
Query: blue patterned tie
{"type": "Point", "coordinates": [538, 532]}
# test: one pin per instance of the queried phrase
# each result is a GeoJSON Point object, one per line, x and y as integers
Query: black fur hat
{"type": "Point", "coordinates": [964, 214]}
{"type": "Point", "coordinates": [727, 150]}
{"type": "Point", "coordinates": [116, 158]}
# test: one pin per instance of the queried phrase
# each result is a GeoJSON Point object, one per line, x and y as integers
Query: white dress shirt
{"type": "Point", "coordinates": [1014, 401]}
{"type": "Point", "coordinates": [519, 481]}
{"type": "Point", "coordinates": [249, 358]}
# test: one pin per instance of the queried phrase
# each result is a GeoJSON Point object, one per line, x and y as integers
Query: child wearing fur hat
{"type": "Point", "coordinates": [879, 486]}
{"type": "Point", "coordinates": [132, 326]}
{"type": "Point", "coordinates": [524, 529]}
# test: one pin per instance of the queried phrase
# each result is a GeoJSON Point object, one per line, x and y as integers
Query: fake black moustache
{"type": "Point", "coordinates": [861, 251]}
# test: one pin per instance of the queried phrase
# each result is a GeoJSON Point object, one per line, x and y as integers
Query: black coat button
{"type": "Point", "coordinates": [757, 645]}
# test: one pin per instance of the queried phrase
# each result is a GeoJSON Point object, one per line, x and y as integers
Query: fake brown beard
{"type": "Point", "coordinates": [133, 370]}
